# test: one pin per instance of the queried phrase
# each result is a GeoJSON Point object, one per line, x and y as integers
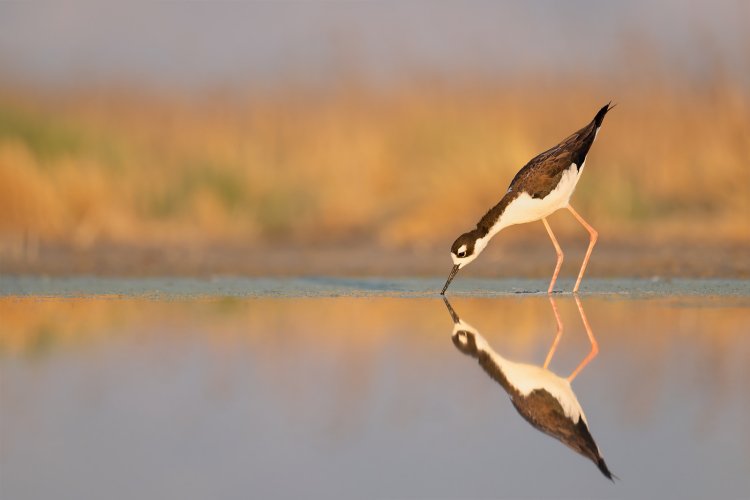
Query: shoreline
{"type": "Point", "coordinates": [527, 260]}
{"type": "Point", "coordinates": [178, 288]}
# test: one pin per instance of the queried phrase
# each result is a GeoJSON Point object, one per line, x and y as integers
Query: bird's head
{"type": "Point", "coordinates": [465, 249]}
{"type": "Point", "coordinates": [464, 335]}
{"type": "Point", "coordinates": [466, 342]}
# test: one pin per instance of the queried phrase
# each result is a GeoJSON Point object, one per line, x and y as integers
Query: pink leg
{"type": "Point", "coordinates": [559, 255]}
{"type": "Point", "coordinates": [553, 348]}
{"type": "Point", "coordinates": [593, 236]}
{"type": "Point", "coordinates": [594, 343]}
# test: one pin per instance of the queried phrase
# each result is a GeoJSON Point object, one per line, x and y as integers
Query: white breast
{"type": "Point", "coordinates": [526, 378]}
{"type": "Point", "coordinates": [527, 209]}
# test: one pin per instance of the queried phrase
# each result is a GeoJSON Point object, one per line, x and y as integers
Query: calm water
{"type": "Point", "coordinates": [364, 397]}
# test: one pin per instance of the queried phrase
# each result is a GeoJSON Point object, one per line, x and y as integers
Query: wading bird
{"type": "Point", "coordinates": [541, 397]}
{"type": "Point", "coordinates": [543, 186]}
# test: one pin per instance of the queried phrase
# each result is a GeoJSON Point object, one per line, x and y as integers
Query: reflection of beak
{"type": "Point", "coordinates": [450, 278]}
{"type": "Point", "coordinates": [451, 311]}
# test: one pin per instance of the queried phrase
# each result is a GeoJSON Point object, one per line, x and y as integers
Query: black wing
{"type": "Point", "coordinates": [540, 175]}
{"type": "Point", "coordinates": [546, 414]}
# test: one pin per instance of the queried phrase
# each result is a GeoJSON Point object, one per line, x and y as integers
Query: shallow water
{"type": "Point", "coordinates": [222, 286]}
{"type": "Point", "coordinates": [199, 396]}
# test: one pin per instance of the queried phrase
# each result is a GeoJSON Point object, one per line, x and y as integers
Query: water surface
{"type": "Point", "coordinates": [364, 397]}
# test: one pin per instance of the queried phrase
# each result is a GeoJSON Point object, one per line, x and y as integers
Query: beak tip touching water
{"type": "Point", "coordinates": [450, 278]}
{"type": "Point", "coordinates": [453, 314]}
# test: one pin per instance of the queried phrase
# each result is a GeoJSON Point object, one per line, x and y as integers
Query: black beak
{"type": "Point", "coordinates": [450, 278]}
{"type": "Point", "coordinates": [454, 316]}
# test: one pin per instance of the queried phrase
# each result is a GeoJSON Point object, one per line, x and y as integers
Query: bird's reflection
{"type": "Point", "coordinates": [543, 398]}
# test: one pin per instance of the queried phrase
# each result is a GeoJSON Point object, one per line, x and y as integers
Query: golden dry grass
{"type": "Point", "coordinates": [409, 166]}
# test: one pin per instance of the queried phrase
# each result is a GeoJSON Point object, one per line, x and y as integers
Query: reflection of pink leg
{"type": "Point", "coordinates": [553, 348]}
{"type": "Point", "coordinates": [593, 236]}
{"type": "Point", "coordinates": [594, 343]}
{"type": "Point", "coordinates": [559, 255]}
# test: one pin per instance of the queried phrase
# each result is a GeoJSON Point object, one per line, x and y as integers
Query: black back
{"type": "Point", "coordinates": [543, 172]}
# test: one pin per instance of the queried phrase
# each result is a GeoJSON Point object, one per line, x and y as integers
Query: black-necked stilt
{"type": "Point", "coordinates": [543, 399]}
{"type": "Point", "coordinates": [543, 186]}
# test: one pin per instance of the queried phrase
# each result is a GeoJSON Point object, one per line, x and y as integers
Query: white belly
{"type": "Point", "coordinates": [527, 378]}
{"type": "Point", "coordinates": [527, 209]}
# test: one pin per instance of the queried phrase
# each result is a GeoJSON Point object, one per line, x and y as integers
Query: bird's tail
{"type": "Point", "coordinates": [599, 118]}
{"type": "Point", "coordinates": [605, 470]}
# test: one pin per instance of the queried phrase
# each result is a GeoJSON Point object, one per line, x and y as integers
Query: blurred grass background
{"type": "Point", "coordinates": [407, 165]}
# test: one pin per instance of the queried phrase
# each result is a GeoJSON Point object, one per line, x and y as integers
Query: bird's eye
{"type": "Point", "coordinates": [461, 254]}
